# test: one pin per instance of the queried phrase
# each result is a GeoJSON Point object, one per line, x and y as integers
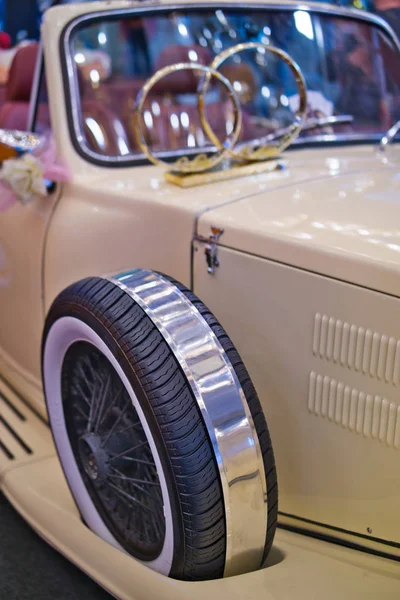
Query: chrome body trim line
{"type": "Point", "coordinates": [224, 409]}
{"type": "Point", "coordinates": [132, 159]}
{"type": "Point", "coordinates": [364, 542]}
{"type": "Point", "coordinates": [389, 135]}
{"type": "Point", "coordinates": [325, 138]}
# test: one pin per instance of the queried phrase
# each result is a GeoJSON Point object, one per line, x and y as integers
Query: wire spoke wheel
{"type": "Point", "coordinates": [112, 451]}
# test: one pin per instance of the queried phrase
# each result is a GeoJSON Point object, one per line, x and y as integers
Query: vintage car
{"type": "Point", "coordinates": [132, 438]}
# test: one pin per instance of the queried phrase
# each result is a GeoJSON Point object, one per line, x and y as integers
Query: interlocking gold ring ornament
{"type": "Point", "coordinates": [255, 151]}
{"type": "Point", "coordinates": [201, 162]}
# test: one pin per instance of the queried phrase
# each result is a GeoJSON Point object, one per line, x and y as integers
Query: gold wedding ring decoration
{"type": "Point", "coordinates": [244, 153]}
{"type": "Point", "coordinates": [200, 162]}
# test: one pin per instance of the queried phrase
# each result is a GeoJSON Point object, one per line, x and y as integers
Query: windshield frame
{"type": "Point", "coordinates": [71, 86]}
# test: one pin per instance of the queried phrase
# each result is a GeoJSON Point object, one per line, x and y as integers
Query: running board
{"type": "Point", "coordinates": [24, 437]}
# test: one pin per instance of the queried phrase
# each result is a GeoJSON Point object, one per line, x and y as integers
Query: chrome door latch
{"type": "Point", "coordinates": [211, 249]}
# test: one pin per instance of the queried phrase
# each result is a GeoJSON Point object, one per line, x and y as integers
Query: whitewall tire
{"type": "Point", "coordinates": [158, 427]}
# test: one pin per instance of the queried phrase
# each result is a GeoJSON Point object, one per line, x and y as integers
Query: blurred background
{"type": "Point", "coordinates": [21, 18]}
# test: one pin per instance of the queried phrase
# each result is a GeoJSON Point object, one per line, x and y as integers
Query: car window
{"type": "Point", "coordinates": [41, 117]}
{"type": "Point", "coordinates": [351, 68]}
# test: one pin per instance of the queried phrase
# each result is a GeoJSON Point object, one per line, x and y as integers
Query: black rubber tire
{"type": "Point", "coordinates": [174, 419]}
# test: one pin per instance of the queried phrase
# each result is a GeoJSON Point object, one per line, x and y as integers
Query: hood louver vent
{"type": "Point", "coordinates": [357, 348]}
{"type": "Point", "coordinates": [372, 416]}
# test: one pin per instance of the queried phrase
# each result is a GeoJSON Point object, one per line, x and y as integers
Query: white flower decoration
{"type": "Point", "coordinates": [25, 177]}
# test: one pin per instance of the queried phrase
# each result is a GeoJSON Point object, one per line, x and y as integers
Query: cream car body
{"type": "Point", "coordinates": [308, 288]}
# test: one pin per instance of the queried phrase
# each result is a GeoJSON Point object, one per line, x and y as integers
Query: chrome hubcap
{"type": "Point", "coordinates": [95, 458]}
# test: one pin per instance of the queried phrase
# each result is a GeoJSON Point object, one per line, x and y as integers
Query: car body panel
{"type": "Point", "coordinates": [22, 247]}
{"type": "Point", "coordinates": [93, 231]}
{"type": "Point", "coordinates": [334, 212]}
{"type": "Point", "coordinates": [324, 356]}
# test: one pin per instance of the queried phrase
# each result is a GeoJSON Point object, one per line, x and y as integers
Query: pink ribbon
{"type": "Point", "coordinates": [48, 157]}
{"type": "Point", "coordinates": [52, 170]}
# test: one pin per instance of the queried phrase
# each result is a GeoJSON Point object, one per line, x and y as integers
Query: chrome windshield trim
{"type": "Point", "coordinates": [223, 407]}
{"type": "Point", "coordinates": [389, 135]}
{"type": "Point", "coordinates": [71, 79]}
{"type": "Point", "coordinates": [325, 138]}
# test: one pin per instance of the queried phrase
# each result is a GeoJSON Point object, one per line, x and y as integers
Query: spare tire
{"type": "Point", "coordinates": [158, 427]}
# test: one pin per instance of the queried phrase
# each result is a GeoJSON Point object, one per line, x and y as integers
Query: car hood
{"type": "Point", "coordinates": [335, 213]}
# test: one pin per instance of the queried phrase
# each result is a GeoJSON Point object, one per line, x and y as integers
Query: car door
{"type": "Point", "coordinates": [22, 242]}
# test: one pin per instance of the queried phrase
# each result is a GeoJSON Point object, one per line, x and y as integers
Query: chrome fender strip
{"type": "Point", "coordinates": [224, 409]}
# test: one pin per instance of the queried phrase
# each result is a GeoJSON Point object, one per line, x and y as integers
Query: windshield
{"type": "Point", "coordinates": [351, 68]}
